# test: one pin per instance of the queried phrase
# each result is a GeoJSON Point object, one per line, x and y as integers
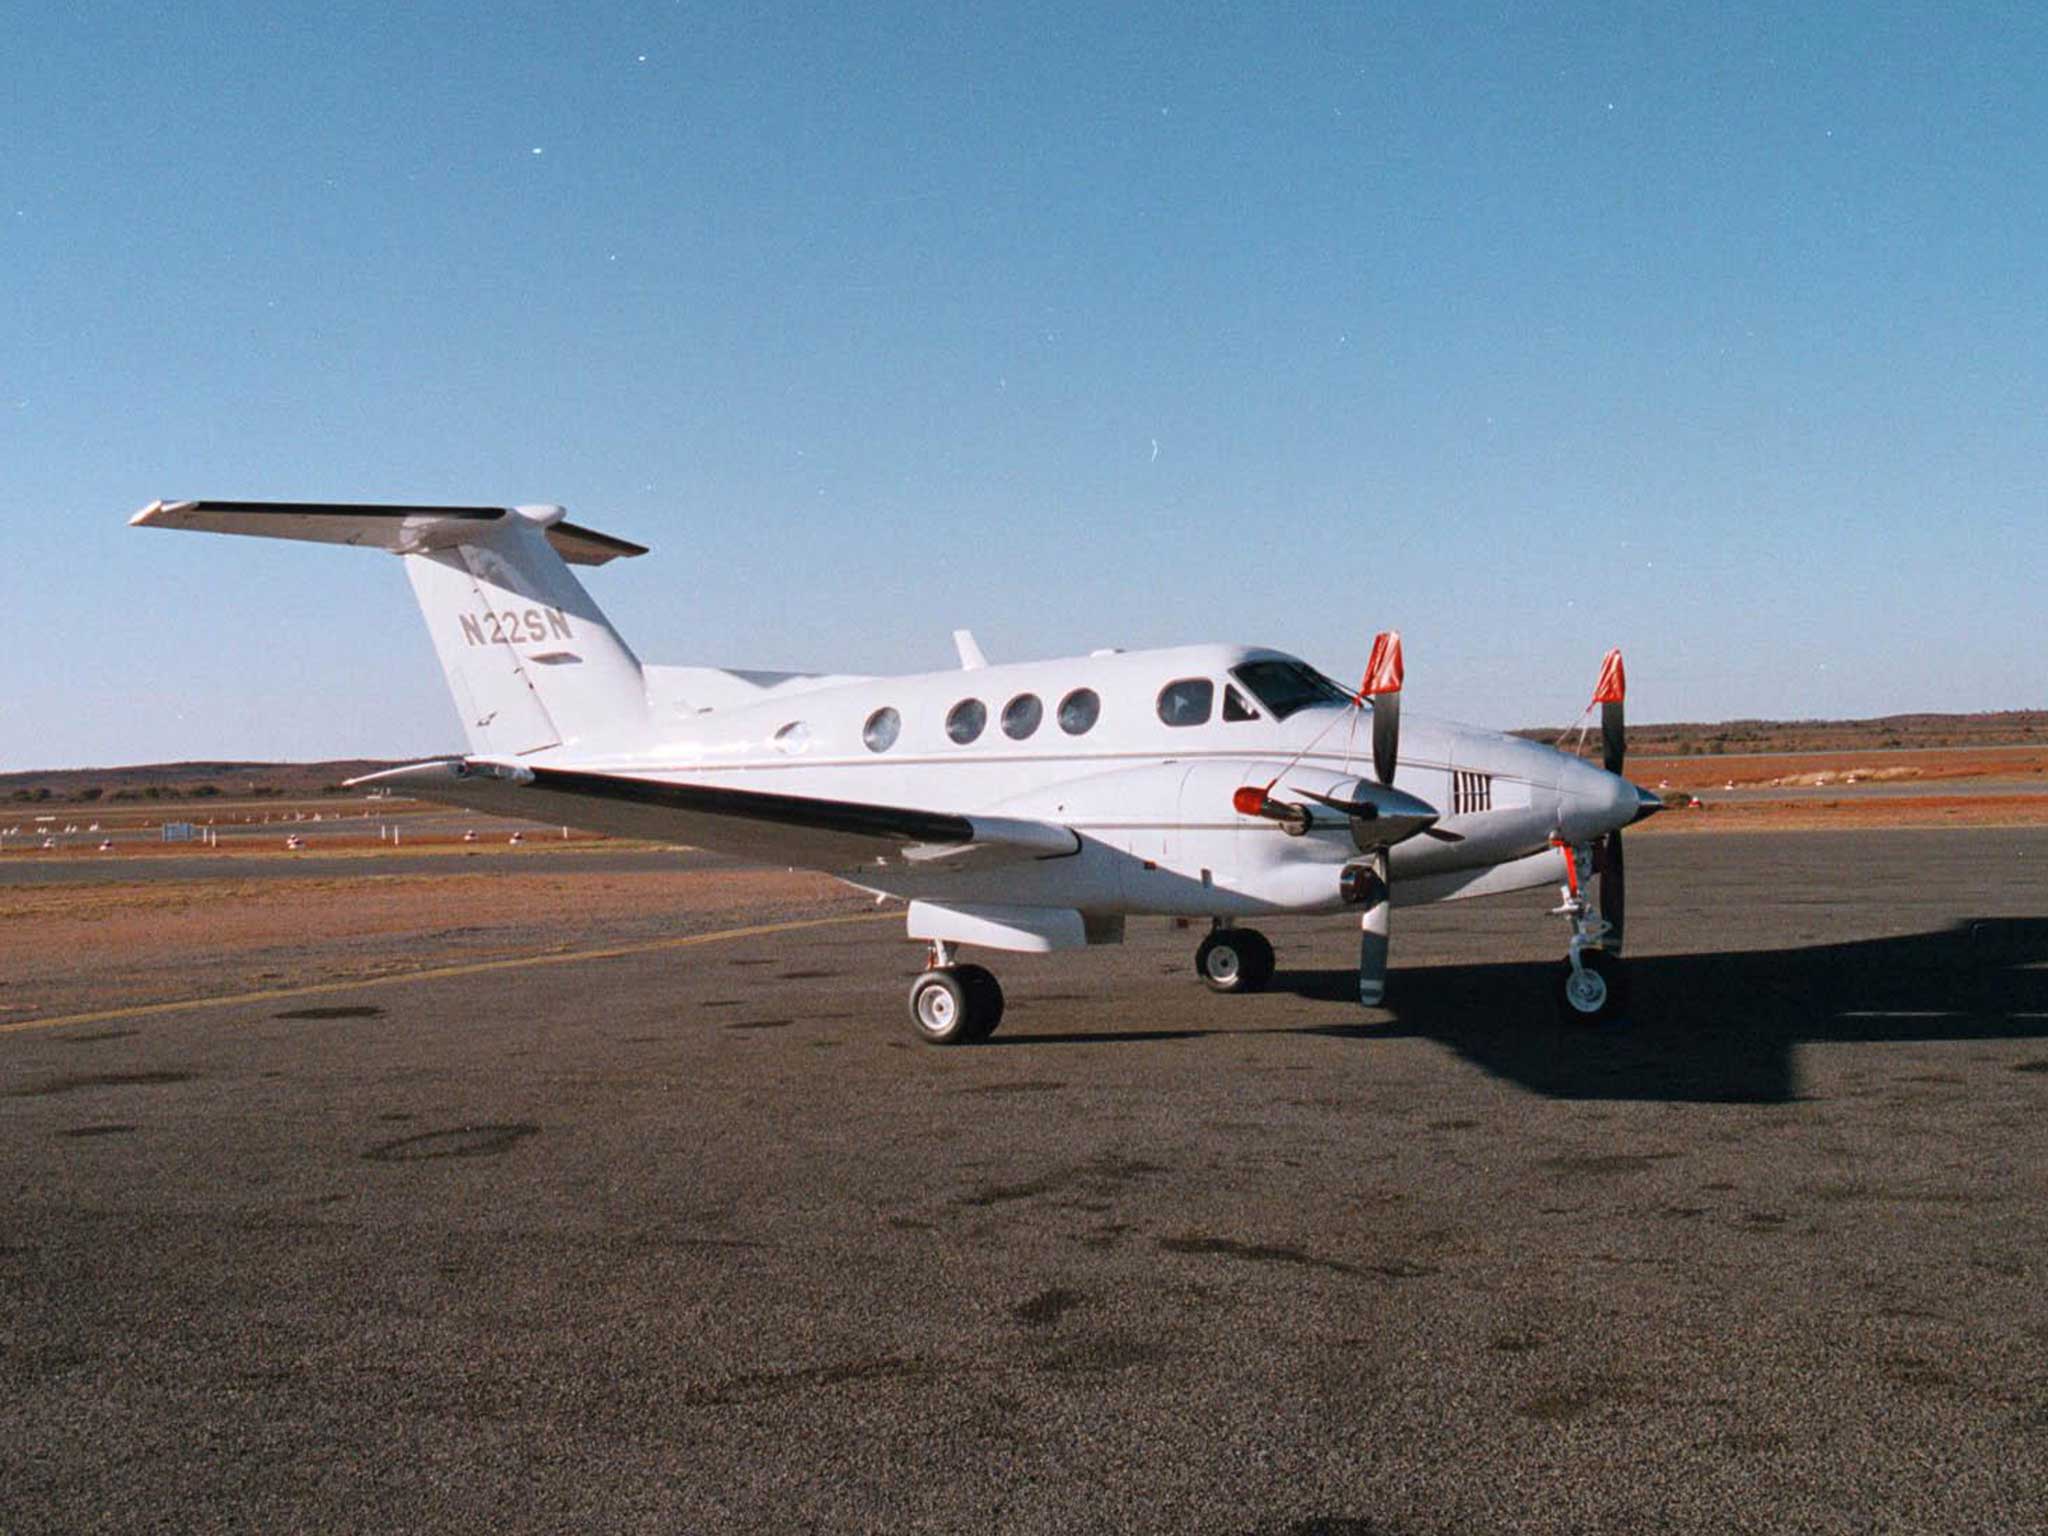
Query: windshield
{"type": "Point", "coordinates": [1286, 686]}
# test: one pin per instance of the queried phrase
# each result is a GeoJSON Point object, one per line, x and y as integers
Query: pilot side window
{"type": "Point", "coordinates": [1234, 706]}
{"type": "Point", "coordinates": [966, 719]}
{"type": "Point", "coordinates": [1079, 711]}
{"type": "Point", "coordinates": [1187, 702]}
{"type": "Point", "coordinates": [1021, 716]}
{"type": "Point", "coordinates": [1287, 686]}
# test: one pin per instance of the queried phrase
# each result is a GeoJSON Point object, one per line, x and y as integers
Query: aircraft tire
{"type": "Point", "coordinates": [1597, 997]}
{"type": "Point", "coordinates": [954, 1005]}
{"type": "Point", "coordinates": [984, 999]}
{"type": "Point", "coordinates": [1235, 960]}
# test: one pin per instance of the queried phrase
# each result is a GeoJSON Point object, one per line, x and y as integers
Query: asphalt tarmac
{"type": "Point", "coordinates": [85, 869]}
{"type": "Point", "coordinates": [698, 1239]}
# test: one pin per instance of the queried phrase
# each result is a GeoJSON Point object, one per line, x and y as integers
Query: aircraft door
{"type": "Point", "coordinates": [1153, 868]}
{"type": "Point", "coordinates": [1208, 834]}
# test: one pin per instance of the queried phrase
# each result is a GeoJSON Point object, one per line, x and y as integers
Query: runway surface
{"type": "Point", "coordinates": [697, 1238]}
{"type": "Point", "coordinates": [84, 869]}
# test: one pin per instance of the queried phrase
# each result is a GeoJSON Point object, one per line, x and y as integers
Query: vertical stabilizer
{"type": "Point", "coordinates": [532, 661]}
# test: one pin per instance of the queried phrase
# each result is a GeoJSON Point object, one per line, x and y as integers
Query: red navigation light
{"type": "Point", "coordinates": [1249, 801]}
{"type": "Point", "coordinates": [1383, 673]}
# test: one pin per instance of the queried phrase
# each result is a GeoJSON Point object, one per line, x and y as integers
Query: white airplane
{"type": "Point", "coordinates": [1029, 807]}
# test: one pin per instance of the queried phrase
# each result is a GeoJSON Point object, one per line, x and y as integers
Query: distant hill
{"type": "Point", "coordinates": [186, 781]}
{"type": "Point", "coordinates": [2006, 728]}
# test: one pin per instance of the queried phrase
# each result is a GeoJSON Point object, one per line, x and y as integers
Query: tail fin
{"type": "Point", "coordinates": [530, 659]}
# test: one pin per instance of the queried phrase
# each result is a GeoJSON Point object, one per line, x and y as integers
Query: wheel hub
{"type": "Point", "coordinates": [935, 1008]}
{"type": "Point", "coordinates": [1586, 989]}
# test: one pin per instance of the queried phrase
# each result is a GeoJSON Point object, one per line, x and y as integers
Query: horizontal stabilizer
{"type": "Point", "coordinates": [402, 530]}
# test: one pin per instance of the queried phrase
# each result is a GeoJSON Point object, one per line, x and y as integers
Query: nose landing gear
{"type": "Point", "coordinates": [1590, 986]}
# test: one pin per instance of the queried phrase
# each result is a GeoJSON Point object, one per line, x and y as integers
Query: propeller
{"type": "Point", "coordinates": [1380, 815]}
{"type": "Point", "coordinates": [1609, 693]}
{"type": "Point", "coordinates": [1384, 674]}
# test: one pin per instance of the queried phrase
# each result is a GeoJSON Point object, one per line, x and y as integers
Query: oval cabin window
{"type": "Point", "coordinates": [882, 729]}
{"type": "Point", "coordinates": [1021, 716]}
{"type": "Point", "coordinates": [966, 720]}
{"type": "Point", "coordinates": [1079, 711]}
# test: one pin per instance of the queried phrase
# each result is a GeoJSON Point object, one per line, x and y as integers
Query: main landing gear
{"type": "Point", "coordinates": [1590, 986]}
{"type": "Point", "coordinates": [1235, 960]}
{"type": "Point", "coordinates": [954, 1004]}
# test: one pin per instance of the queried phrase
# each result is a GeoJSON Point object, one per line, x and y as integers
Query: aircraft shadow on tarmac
{"type": "Point", "coordinates": [1722, 1027]}
{"type": "Point", "coordinates": [1703, 1028]}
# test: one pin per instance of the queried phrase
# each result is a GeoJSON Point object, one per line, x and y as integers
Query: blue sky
{"type": "Point", "coordinates": [1713, 332]}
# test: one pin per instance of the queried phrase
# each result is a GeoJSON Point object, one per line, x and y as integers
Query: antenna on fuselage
{"type": "Point", "coordinates": [971, 659]}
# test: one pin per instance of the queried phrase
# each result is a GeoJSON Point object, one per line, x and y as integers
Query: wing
{"type": "Point", "coordinates": [838, 836]}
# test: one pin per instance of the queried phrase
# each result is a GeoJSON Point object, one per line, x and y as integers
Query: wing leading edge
{"type": "Point", "coordinates": [838, 836]}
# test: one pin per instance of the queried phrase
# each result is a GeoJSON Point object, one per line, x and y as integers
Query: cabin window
{"type": "Point", "coordinates": [793, 738]}
{"type": "Point", "coordinates": [1287, 686]}
{"type": "Point", "coordinates": [1079, 711]}
{"type": "Point", "coordinates": [1234, 706]}
{"type": "Point", "coordinates": [1022, 715]}
{"type": "Point", "coordinates": [882, 729]}
{"type": "Point", "coordinates": [1187, 702]}
{"type": "Point", "coordinates": [965, 720]}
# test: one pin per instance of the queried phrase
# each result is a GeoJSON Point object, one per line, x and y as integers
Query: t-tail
{"type": "Point", "coordinates": [532, 662]}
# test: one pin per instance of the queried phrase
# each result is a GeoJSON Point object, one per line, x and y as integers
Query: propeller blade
{"type": "Point", "coordinates": [1386, 735]}
{"type": "Point", "coordinates": [1613, 889]}
{"type": "Point", "coordinates": [1373, 934]}
{"type": "Point", "coordinates": [1383, 677]}
{"type": "Point", "coordinates": [1384, 816]}
{"type": "Point", "coordinates": [1609, 693]}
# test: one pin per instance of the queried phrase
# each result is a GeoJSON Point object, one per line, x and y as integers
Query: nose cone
{"type": "Point", "coordinates": [1592, 801]}
{"type": "Point", "coordinates": [1647, 804]}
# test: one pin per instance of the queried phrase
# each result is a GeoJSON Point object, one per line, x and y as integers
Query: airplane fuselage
{"type": "Point", "coordinates": [1139, 753]}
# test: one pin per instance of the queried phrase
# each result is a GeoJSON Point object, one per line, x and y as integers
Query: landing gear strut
{"type": "Point", "coordinates": [954, 1004]}
{"type": "Point", "coordinates": [1590, 985]}
{"type": "Point", "coordinates": [1235, 960]}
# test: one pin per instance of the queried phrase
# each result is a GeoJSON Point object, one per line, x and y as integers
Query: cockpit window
{"type": "Point", "coordinates": [1187, 702]}
{"type": "Point", "coordinates": [1234, 706]}
{"type": "Point", "coordinates": [1287, 686]}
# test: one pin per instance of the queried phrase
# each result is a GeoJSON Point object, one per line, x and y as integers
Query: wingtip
{"type": "Point", "coordinates": [433, 767]}
{"type": "Point", "coordinates": [156, 512]}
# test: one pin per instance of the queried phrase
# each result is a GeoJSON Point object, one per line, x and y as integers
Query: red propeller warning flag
{"type": "Point", "coordinates": [1613, 682]}
{"type": "Point", "coordinates": [1383, 672]}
